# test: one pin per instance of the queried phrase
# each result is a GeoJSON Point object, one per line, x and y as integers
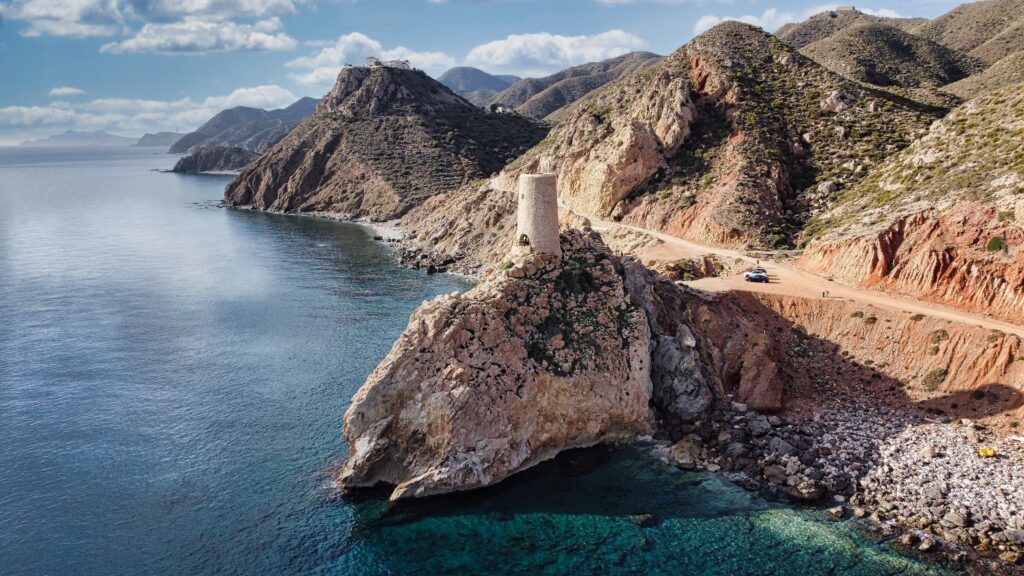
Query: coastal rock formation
{"type": "Point", "coordinates": [942, 219]}
{"type": "Point", "coordinates": [215, 159]}
{"type": "Point", "coordinates": [545, 356]}
{"type": "Point", "coordinates": [382, 141]}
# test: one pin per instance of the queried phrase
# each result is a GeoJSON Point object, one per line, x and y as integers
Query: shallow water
{"type": "Point", "coordinates": [172, 381]}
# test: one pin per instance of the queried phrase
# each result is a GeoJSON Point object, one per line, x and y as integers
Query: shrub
{"type": "Point", "coordinates": [1005, 215]}
{"type": "Point", "coordinates": [857, 314]}
{"type": "Point", "coordinates": [995, 335]}
{"type": "Point", "coordinates": [995, 244]}
{"type": "Point", "coordinates": [870, 320]}
{"type": "Point", "coordinates": [917, 317]}
{"type": "Point", "coordinates": [505, 265]}
{"type": "Point", "coordinates": [935, 378]}
{"type": "Point", "coordinates": [939, 336]}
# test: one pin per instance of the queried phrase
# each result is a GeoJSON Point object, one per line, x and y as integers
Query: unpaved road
{"type": "Point", "coordinates": [788, 280]}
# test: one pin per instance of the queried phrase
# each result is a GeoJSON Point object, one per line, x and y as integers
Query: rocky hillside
{"type": "Point", "coordinates": [735, 139]}
{"type": "Point", "coordinates": [381, 141]}
{"type": "Point", "coordinates": [1009, 70]}
{"type": "Point", "coordinates": [244, 127]}
{"type": "Point", "coordinates": [215, 159]}
{"type": "Point", "coordinates": [884, 55]}
{"type": "Point", "coordinates": [823, 25]}
{"type": "Point", "coordinates": [540, 97]}
{"type": "Point", "coordinates": [943, 219]}
{"type": "Point", "coordinates": [969, 26]}
{"type": "Point", "coordinates": [475, 85]}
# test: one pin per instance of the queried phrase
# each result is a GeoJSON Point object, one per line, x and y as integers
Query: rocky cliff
{"type": "Point", "coordinates": [547, 355]}
{"type": "Point", "coordinates": [735, 139]}
{"type": "Point", "coordinates": [383, 140]}
{"type": "Point", "coordinates": [215, 159]}
{"type": "Point", "coordinates": [941, 220]}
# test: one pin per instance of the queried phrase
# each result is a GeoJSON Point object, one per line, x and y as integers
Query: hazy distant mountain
{"type": "Point", "coordinates": [244, 127]}
{"type": "Point", "coordinates": [475, 85]}
{"type": "Point", "coordinates": [162, 139]}
{"type": "Point", "coordinates": [76, 138]}
{"type": "Point", "coordinates": [539, 97]}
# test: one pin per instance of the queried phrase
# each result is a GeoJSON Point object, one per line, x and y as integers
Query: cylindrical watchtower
{"type": "Point", "coordinates": [537, 216]}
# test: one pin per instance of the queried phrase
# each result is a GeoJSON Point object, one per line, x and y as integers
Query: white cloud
{"type": "Point", "coordinates": [66, 17]}
{"type": "Point", "coordinates": [161, 26]}
{"type": "Point", "coordinates": [135, 116]}
{"type": "Point", "coordinates": [321, 68]}
{"type": "Point", "coordinates": [194, 36]}
{"type": "Point", "coordinates": [543, 53]}
{"type": "Point", "coordinates": [772, 19]}
{"type": "Point", "coordinates": [66, 91]}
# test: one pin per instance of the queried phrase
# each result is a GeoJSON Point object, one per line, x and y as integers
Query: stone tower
{"type": "Point", "coordinates": [537, 217]}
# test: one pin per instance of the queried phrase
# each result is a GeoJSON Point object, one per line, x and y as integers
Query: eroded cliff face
{"type": "Point", "coordinates": [942, 220]}
{"type": "Point", "coordinates": [892, 357]}
{"type": "Point", "coordinates": [545, 356]}
{"type": "Point", "coordinates": [945, 257]}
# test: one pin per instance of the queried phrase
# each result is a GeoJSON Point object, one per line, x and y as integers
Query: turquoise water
{"type": "Point", "coordinates": [172, 383]}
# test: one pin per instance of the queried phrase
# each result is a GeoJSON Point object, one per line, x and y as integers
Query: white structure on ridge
{"type": "Point", "coordinates": [537, 216]}
{"type": "Point", "coordinates": [372, 62]}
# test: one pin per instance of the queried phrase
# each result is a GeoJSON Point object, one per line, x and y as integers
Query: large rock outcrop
{"type": "Point", "coordinates": [548, 355]}
{"type": "Point", "coordinates": [380, 142]}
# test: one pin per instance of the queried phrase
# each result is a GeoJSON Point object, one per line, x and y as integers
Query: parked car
{"type": "Point", "coordinates": [756, 275]}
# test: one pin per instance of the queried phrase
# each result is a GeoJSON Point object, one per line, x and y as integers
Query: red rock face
{"type": "Point", "coordinates": [943, 258]}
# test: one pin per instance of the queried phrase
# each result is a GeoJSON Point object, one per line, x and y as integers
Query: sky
{"type": "Point", "coordinates": [135, 66]}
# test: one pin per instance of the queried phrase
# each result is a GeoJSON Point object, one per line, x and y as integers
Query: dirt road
{"type": "Point", "coordinates": [791, 281]}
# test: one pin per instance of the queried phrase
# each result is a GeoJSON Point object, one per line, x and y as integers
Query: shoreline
{"type": "Point", "coordinates": [844, 458]}
{"type": "Point", "coordinates": [908, 479]}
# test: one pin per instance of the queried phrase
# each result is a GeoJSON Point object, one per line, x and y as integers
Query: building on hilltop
{"type": "Point", "coordinates": [372, 62]}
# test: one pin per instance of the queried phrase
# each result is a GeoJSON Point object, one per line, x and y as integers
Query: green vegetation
{"type": "Point", "coordinates": [934, 379]}
{"type": "Point", "coordinates": [917, 317]}
{"type": "Point", "coordinates": [995, 244]}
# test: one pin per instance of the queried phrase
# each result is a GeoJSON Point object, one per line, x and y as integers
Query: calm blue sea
{"type": "Point", "coordinates": [172, 382]}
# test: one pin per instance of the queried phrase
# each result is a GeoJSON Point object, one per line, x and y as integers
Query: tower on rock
{"type": "Point", "coordinates": [537, 217]}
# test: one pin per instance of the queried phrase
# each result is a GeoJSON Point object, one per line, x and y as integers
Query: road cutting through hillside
{"type": "Point", "coordinates": [788, 280]}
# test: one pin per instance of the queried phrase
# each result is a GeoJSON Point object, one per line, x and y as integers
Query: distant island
{"type": "Point", "coordinates": [73, 138]}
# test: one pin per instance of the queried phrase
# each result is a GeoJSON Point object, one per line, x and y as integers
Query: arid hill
{"type": "Point", "coordinates": [540, 97]}
{"type": "Point", "coordinates": [254, 129]}
{"type": "Point", "coordinates": [969, 26]}
{"type": "Point", "coordinates": [884, 55]}
{"type": "Point", "coordinates": [383, 140]}
{"type": "Point", "coordinates": [475, 85]}
{"type": "Point", "coordinates": [1009, 70]}
{"type": "Point", "coordinates": [942, 220]}
{"type": "Point", "coordinates": [825, 24]}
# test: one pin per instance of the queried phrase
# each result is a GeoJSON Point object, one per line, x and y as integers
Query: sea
{"type": "Point", "coordinates": [173, 377]}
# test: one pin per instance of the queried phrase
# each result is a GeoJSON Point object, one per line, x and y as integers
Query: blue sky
{"type": "Point", "coordinates": [132, 66]}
